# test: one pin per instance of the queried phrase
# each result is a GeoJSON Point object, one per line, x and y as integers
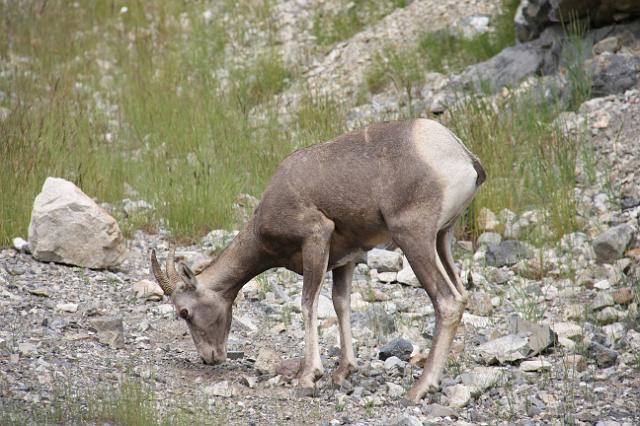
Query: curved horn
{"type": "Point", "coordinates": [161, 277]}
{"type": "Point", "coordinates": [174, 278]}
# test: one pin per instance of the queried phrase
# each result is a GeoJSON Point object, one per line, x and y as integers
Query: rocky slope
{"type": "Point", "coordinates": [552, 334]}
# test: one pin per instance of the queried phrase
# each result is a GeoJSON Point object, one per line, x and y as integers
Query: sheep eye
{"type": "Point", "coordinates": [184, 313]}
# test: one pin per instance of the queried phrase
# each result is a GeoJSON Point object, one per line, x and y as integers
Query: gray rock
{"type": "Point", "coordinates": [604, 356]}
{"type": "Point", "coordinates": [611, 244]}
{"type": "Point", "coordinates": [69, 227]}
{"type": "Point", "coordinates": [608, 315]}
{"type": "Point", "coordinates": [217, 240]}
{"type": "Point", "coordinates": [482, 378]}
{"type": "Point", "coordinates": [393, 362]}
{"type": "Point", "coordinates": [533, 16]}
{"type": "Point", "coordinates": [505, 349]}
{"type": "Point", "coordinates": [394, 390]}
{"type": "Point", "coordinates": [110, 330]}
{"type": "Point", "coordinates": [407, 420]}
{"type": "Point", "coordinates": [437, 410]}
{"type": "Point", "coordinates": [408, 277]}
{"type": "Point", "coordinates": [376, 319]}
{"type": "Point", "coordinates": [222, 389]}
{"type": "Point", "coordinates": [67, 307]}
{"type": "Point", "coordinates": [540, 336]}
{"type": "Point", "coordinates": [507, 253]}
{"type": "Point", "coordinates": [384, 260]}
{"type": "Point", "coordinates": [480, 303]}
{"type": "Point", "coordinates": [398, 347]}
{"type": "Point", "coordinates": [489, 238]}
{"type": "Point", "coordinates": [473, 25]}
{"type": "Point", "coordinates": [267, 361]}
{"type": "Point", "coordinates": [602, 300]}
{"type": "Point", "coordinates": [458, 395]}
{"type": "Point", "coordinates": [535, 365]}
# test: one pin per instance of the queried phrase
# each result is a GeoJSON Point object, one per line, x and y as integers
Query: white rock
{"type": "Point", "coordinates": [325, 307]}
{"type": "Point", "coordinates": [20, 244]}
{"type": "Point", "coordinates": [67, 307]}
{"type": "Point", "coordinates": [487, 221]}
{"type": "Point", "coordinates": [147, 289]}
{"type": "Point", "coordinates": [535, 365]}
{"type": "Point", "coordinates": [384, 260]}
{"type": "Point", "coordinates": [458, 395]}
{"type": "Point", "coordinates": [394, 390]}
{"type": "Point", "coordinates": [387, 277]}
{"type": "Point", "coordinates": [603, 285]}
{"type": "Point", "coordinates": [406, 276]}
{"type": "Point", "coordinates": [69, 227]}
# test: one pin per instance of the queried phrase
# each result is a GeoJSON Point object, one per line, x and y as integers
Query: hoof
{"type": "Point", "coordinates": [415, 394]}
{"type": "Point", "coordinates": [340, 375]}
{"type": "Point", "coordinates": [306, 392]}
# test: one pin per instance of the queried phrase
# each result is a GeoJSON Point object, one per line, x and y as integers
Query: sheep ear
{"type": "Point", "coordinates": [187, 275]}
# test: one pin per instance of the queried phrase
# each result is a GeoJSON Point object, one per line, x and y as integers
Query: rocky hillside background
{"type": "Point", "coordinates": [126, 126]}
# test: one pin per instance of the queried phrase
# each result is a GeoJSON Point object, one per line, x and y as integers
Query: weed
{"type": "Point", "coordinates": [331, 26]}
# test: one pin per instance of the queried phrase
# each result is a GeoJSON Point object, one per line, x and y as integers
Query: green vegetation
{"type": "Point", "coordinates": [440, 51]}
{"type": "Point", "coordinates": [109, 100]}
{"type": "Point", "coordinates": [128, 403]}
{"type": "Point", "coordinates": [332, 26]}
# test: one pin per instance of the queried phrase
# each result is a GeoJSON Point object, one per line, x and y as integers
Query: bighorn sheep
{"type": "Point", "coordinates": [404, 181]}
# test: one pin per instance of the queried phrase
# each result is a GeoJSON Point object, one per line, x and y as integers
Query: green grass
{"type": "Point", "coordinates": [131, 402]}
{"type": "Point", "coordinates": [530, 161]}
{"type": "Point", "coordinates": [331, 26]}
{"type": "Point", "coordinates": [440, 51]}
{"type": "Point", "coordinates": [107, 100]}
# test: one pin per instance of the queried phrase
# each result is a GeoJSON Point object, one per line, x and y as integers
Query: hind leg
{"type": "Point", "coordinates": [419, 243]}
{"type": "Point", "coordinates": [341, 295]}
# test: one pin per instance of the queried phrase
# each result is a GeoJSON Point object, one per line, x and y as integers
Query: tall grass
{"type": "Point", "coordinates": [530, 160]}
{"type": "Point", "coordinates": [130, 402]}
{"type": "Point", "coordinates": [440, 51]}
{"type": "Point", "coordinates": [109, 99]}
{"type": "Point", "coordinates": [331, 26]}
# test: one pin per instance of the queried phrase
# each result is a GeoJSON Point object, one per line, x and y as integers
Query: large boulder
{"type": "Point", "coordinates": [69, 227]}
{"type": "Point", "coordinates": [533, 16]}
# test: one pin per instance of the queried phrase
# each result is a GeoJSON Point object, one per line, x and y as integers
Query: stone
{"type": "Point", "coordinates": [602, 300]}
{"type": "Point", "coordinates": [480, 303]}
{"type": "Point", "coordinates": [249, 381]}
{"type": "Point", "coordinates": [437, 410]}
{"type": "Point", "coordinates": [567, 329]}
{"type": "Point", "coordinates": [507, 253]}
{"type": "Point", "coordinates": [623, 296]}
{"type": "Point", "coordinates": [217, 240]}
{"type": "Point", "coordinates": [222, 389]}
{"type": "Point", "coordinates": [613, 73]}
{"type": "Point", "coordinates": [398, 347]}
{"type": "Point", "coordinates": [27, 349]}
{"type": "Point", "coordinates": [609, 44]}
{"type": "Point", "coordinates": [408, 277]}
{"type": "Point", "coordinates": [110, 330]}
{"type": "Point", "coordinates": [40, 292]}
{"type": "Point", "coordinates": [407, 420]}
{"type": "Point", "coordinates": [325, 307]}
{"type": "Point", "coordinates": [375, 319]}
{"type": "Point", "coordinates": [393, 362]}
{"type": "Point", "coordinates": [482, 378]}
{"type": "Point", "coordinates": [471, 26]}
{"type": "Point", "coordinates": [289, 368]}
{"type": "Point", "coordinates": [535, 365]}
{"type": "Point", "coordinates": [394, 390]}
{"type": "Point", "coordinates": [489, 238]}
{"type": "Point", "coordinates": [235, 355]}
{"type": "Point", "coordinates": [458, 395]}
{"type": "Point", "coordinates": [487, 221]}
{"type": "Point", "coordinates": [611, 244]}
{"type": "Point", "coordinates": [21, 245]}
{"type": "Point", "coordinates": [267, 361]}
{"type": "Point", "coordinates": [540, 336]}
{"type": "Point", "coordinates": [147, 289]}
{"type": "Point", "coordinates": [607, 316]}
{"type": "Point", "coordinates": [67, 307]}
{"type": "Point", "coordinates": [69, 227]}
{"type": "Point", "coordinates": [603, 356]}
{"type": "Point", "coordinates": [505, 349]}
{"type": "Point", "coordinates": [243, 207]}
{"type": "Point", "coordinates": [614, 332]}
{"type": "Point", "coordinates": [384, 260]}
{"type": "Point", "coordinates": [602, 285]}
{"type": "Point", "coordinates": [387, 277]}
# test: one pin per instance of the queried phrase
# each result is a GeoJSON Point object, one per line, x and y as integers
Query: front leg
{"type": "Point", "coordinates": [315, 256]}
